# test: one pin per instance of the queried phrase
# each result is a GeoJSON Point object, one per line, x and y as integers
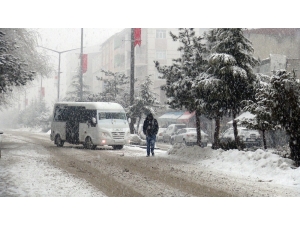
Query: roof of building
{"type": "Point", "coordinates": [274, 31]}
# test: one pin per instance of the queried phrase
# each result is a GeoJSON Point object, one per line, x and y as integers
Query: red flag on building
{"type": "Point", "coordinates": [137, 36]}
{"type": "Point", "coordinates": [84, 63]}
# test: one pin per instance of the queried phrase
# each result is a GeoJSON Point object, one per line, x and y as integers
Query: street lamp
{"type": "Point", "coordinates": [58, 77]}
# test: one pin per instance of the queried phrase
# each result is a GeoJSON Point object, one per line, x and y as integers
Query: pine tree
{"type": "Point", "coordinates": [285, 108]}
{"type": "Point", "coordinates": [261, 108]}
{"type": "Point", "coordinates": [19, 60]}
{"type": "Point", "coordinates": [74, 95]}
{"type": "Point", "coordinates": [36, 114]}
{"type": "Point", "coordinates": [181, 75]}
{"type": "Point", "coordinates": [116, 89]}
{"type": "Point", "coordinates": [144, 102]}
{"type": "Point", "coordinates": [232, 63]}
{"type": "Point", "coordinates": [211, 86]}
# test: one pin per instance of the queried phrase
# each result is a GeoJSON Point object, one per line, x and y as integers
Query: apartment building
{"type": "Point", "coordinates": [277, 48]}
{"type": "Point", "coordinates": [156, 45]}
{"type": "Point", "coordinates": [115, 55]}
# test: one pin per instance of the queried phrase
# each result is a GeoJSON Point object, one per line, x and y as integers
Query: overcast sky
{"type": "Point", "coordinates": [62, 39]}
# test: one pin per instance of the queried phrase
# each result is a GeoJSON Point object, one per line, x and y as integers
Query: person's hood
{"type": "Point", "coordinates": [150, 116]}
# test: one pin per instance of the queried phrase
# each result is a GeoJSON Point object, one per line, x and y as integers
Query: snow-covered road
{"type": "Point", "coordinates": [25, 170]}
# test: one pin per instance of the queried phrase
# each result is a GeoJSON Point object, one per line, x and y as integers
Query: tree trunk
{"type": "Point", "coordinates": [138, 124]}
{"type": "Point", "coordinates": [294, 144]}
{"type": "Point", "coordinates": [198, 128]}
{"type": "Point", "coordinates": [133, 120]}
{"type": "Point", "coordinates": [235, 131]}
{"type": "Point", "coordinates": [216, 143]}
{"type": "Point", "coordinates": [264, 138]}
{"type": "Point", "coordinates": [131, 125]}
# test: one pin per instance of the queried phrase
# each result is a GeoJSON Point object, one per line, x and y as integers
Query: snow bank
{"type": "Point", "coordinates": [259, 164]}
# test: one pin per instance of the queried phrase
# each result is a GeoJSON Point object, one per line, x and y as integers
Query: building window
{"type": "Point", "coordinates": [160, 33]}
{"type": "Point", "coordinates": [161, 55]}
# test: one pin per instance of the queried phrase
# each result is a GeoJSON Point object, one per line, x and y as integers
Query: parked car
{"type": "Point", "coordinates": [189, 137]}
{"type": "Point", "coordinates": [248, 137]}
{"type": "Point", "coordinates": [172, 128]}
{"type": "Point", "coordinates": [160, 134]}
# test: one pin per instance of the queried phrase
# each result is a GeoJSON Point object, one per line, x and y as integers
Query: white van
{"type": "Point", "coordinates": [90, 124]}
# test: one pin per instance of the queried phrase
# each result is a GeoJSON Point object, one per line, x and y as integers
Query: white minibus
{"type": "Point", "coordinates": [90, 124]}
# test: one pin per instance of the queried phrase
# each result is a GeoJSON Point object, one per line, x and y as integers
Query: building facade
{"type": "Point", "coordinates": [115, 55]}
{"type": "Point", "coordinates": [277, 48]}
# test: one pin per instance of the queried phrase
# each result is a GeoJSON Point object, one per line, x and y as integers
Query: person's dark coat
{"type": "Point", "coordinates": [150, 126]}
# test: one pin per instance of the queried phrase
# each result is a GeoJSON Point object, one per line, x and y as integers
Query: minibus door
{"type": "Point", "coordinates": [72, 125]}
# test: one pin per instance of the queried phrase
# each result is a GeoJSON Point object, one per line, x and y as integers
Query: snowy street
{"type": "Point", "coordinates": [179, 171]}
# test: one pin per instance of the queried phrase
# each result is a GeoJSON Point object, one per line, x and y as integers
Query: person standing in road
{"type": "Point", "coordinates": [150, 129]}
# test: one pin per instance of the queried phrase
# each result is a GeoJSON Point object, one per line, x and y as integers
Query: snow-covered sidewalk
{"type": "Point", "coordinates": [259, 165]}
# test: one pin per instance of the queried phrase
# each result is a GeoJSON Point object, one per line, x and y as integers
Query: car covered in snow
{"type": "Point", "coordinates": [248, 137]}
{"type": "Point", "coordinates": [189, 137]}
{"type": "Point", "coordinates": [160, 133]}
{"type": "Point", "coordinates": [171, 130]}
{"type": "Point", "coordinates": [135, 139]}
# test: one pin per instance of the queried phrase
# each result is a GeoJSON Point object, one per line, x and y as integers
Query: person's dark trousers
{"type": "Point", "coordinates": [150, 144]}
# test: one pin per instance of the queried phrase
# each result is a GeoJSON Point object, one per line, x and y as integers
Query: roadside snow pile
{"type": "Point", "coordinates": [191, 153]}
{"type": "Point", "coordinates": [259, 164]}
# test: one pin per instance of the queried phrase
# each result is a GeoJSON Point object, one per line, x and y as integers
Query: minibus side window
{"type": "Point", "coordinates": [111, 115]}
{"type": "Point", "coordinates": [60, 114]}
{"type": "Point", "coordinates": [87, 115]}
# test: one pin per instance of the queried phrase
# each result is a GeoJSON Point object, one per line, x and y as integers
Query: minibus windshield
{"type": "Point", "coordinates": [112, 115]}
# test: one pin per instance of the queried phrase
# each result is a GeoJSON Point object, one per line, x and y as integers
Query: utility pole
{"type": "Point", "coordinates": [58, 75]}
{"type": "Point", "coordinates": [132, 68]}
{"type": "Point", "coordinates": [131, 125]}
{"type": "Point", "coordinates": [81, 68]}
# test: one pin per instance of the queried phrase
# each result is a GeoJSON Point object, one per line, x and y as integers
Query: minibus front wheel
{"type": "Point", "coordinates": [117, 147]}
{"type": "Point", "coordinates": [58, 141]}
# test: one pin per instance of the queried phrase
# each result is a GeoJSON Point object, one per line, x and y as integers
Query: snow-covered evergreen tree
{"type": "Point", "coordinates": [144, 102]}
{"type": "Point", "coordinates": [211, 86]}
{"type": "Point", "coordinates": [116, 89]}
{"type": "Point", "coordinates": [19, 60]}
{"type": "Point", "coordinates": [74, 95]}
{"type": "Point", "coordinates": [232, 64]}
{"type": "Point", "coordinates": [36, 114]}
{"type": "Point", "coordinates": [285, 108]}
{"type": "Point", "coordinates": [260, 107]}
{"type": "Point", "coordinates": [181, 75]}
